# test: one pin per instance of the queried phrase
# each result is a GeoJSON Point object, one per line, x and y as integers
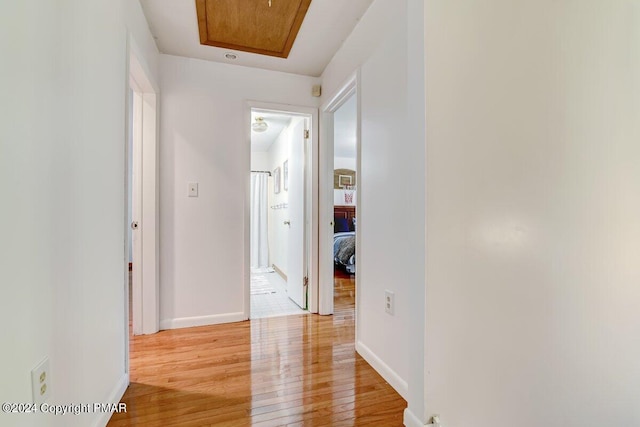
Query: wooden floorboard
{"type": "Point", "coordinates": [299, 370]}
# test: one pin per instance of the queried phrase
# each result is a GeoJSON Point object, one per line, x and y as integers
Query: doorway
{"type": "Point", "coordinates": [280, 212]}
{"type": "Point", "coordinates": [339, 213]}
{"type": "Point", "coordinates": [344, 203]}
{"type": "Point", "coordinates": [141, 216]}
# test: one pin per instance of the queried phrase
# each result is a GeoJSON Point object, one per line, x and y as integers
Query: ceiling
{"type": "Point", "coordinates": [327, 23]}
{"type": "Point", "coordinates": [344, 122]}
{"type": "Point", "coordinates": [262, 141]}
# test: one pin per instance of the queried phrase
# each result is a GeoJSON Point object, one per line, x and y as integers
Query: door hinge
{"type": "Point", "coordinates": [305, 282]}
{"type": "Point", "coordinates": [306, 134]}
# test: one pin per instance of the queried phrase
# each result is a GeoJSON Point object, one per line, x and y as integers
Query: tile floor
{"type": "Point", "coordinates": [271, 304]}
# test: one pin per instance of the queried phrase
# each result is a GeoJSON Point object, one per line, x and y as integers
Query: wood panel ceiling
{"type": "Point", "coordinates": [257, 26]}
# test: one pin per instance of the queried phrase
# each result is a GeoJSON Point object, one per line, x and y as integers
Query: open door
{"type": "Point", "coordinates": [136, 212]}
{"type": "Point", "coordinates": [296, 277]}
{"type": "Point", "coordinates": [142, 182]}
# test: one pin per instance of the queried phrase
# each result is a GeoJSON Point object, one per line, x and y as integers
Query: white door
{"type": "Point", "coordinates": [136, 215]}
{"type": "Point", "coordinates": [296, 287]}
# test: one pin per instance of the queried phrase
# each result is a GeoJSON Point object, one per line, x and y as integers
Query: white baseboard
{"type": "Point", "coordinates": [114, 397]}
{"type": "Point", "coordinates": [383, 369]}
{"type": "Point", "coordinates": [410, 420]}
{"type": "Point", "coordinates": [187, 322]}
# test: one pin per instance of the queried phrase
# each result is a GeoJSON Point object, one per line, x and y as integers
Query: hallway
{"type": "Point", "coordinates": [291, 370]}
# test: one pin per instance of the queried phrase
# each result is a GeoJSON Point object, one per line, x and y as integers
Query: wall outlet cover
{"type": "Point", "coordinates": [41, 382]}
{"type": "Point", "coordinates": [389, 302]}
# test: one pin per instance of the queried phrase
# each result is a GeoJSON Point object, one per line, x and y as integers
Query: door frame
{"type": "Point", "coordinates": [145, 296]}
{"type": "Point", "coordinates": [311, 202]}
{"type": "Point", "coordinates": [351, 87]}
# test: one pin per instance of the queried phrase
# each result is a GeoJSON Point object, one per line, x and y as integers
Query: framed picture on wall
{"type": "Point", "coordinates": [285, 175]}
{"type": "Point", "coordinates": [276, 180]}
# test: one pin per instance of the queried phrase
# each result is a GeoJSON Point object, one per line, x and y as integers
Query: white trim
{"type": "Point", "coordinates": [314, 283]}
{"type": "Point", "coordinates": [359, 246]}
{"type": "Point", "coordinates": [214, 319]}
{"type": "Point", "coordinates": [114, 397]}
{"type": "Point", "coordinates": [246, 283]}
{"type": "Point", "coordinates": [311, 208]}
{"type": "Point", "coordinates": [410, 420]}
{"type": "Point", "coordinates": [325, 256]}
{"type": "Point", "coordinates": [150, 85]}
{"type": "Point", "coordinates": [383, 369]}
{"type": "Point", "coordinates": [136, 208]}
{"type": "Point", "coordinates": [341, 94]}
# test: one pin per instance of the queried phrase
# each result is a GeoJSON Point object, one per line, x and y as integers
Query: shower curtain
{"type": "Point", "coordinates": [259, 232]}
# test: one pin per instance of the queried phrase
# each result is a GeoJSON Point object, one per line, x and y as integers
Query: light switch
{"type": "Point", "coordinates": [193, 189]}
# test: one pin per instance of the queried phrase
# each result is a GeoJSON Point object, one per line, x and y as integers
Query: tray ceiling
{"type": "Point", "coordinates": [266, 27]}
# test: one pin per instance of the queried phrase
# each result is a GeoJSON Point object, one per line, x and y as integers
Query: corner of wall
{"type": "Point", "coordinates": [411, 420]}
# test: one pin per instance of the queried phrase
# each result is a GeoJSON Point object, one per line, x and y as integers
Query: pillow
{"type": "Point", "coordinates": [341, 225]}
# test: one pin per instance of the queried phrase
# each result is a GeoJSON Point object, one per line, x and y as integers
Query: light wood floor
{"type": "Point", "coordinates": [294, 370]}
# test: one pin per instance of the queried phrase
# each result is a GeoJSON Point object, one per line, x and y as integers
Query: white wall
{"type": "Point", "coordinates": [344, 163]}
{"type": "Point", "coordinates": [390, 222]}
{"type": "Point", "coordinates": [340, 197]}
{"type": "Point", "coordinates": [365, 38]}
{"type": "Point", "coordinates": [260, 161]}
{"type": "Point", "coordinates": [205, 138]}
{"type": "Point", "coordinates": [416, 130]}
{"type": "Point", "coordinates": [62, 168]}
{"type": "Point", "coordinates": [141, 41]}
{"type": "Point", "coordinates": [533, 207]}
{"type": "Point", "coordinates": [278, 232]}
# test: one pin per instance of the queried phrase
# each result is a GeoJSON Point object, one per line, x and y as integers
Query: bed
{"type": "Point", "coordinates": [344, 238]}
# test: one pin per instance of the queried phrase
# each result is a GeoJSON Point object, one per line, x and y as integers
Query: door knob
{"type": "Point", "coordinates": [134, 225]}
{"type": "Point", "coordinates": [287, 223]}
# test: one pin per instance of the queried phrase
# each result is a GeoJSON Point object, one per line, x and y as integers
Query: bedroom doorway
{"type": "Point", "coordinates": [344, 203]}
{"type": "Point", "coordinates": [279, 213]}
{"type": "Point", "coordinates": [339, 193]}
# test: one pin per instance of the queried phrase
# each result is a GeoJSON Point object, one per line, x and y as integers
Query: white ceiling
{"type": "Point", "coordinates": [262, 141]}
{"type": "Point", "coordinates": [344, 128]}
{"type": "Point", "coordinates": [344, 122]}
{"type": "Point", "coordinates": [327, 24]}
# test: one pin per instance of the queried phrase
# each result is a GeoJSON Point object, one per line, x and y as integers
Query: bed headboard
{"type": "Point", "coordinates": [348, 212]}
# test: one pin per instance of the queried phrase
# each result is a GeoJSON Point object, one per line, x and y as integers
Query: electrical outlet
{"type": "Point", "coordinates": [193, 189]}
{"type": "Point", "coordinates": [41, 382]}
{"type": "Point", "coordinates": [389, 302]}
